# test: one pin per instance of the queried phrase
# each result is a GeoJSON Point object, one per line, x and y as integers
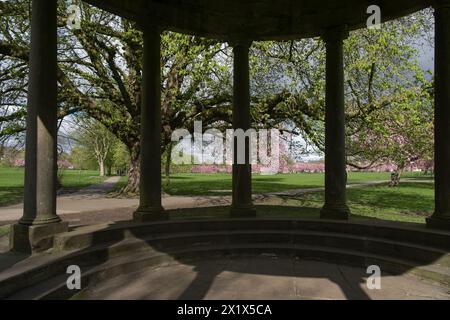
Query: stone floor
{"type": "Point", "coordinates": [260, 278]}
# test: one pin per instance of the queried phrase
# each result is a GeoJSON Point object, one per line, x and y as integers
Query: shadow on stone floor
{"type": "Point", "coordinates": [204, 276]}
{"type": "Point", "coordinates": [204, 279]}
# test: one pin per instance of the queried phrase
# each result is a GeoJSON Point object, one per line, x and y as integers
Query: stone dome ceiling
{"type": "Point", "coordinates": [256, 19]}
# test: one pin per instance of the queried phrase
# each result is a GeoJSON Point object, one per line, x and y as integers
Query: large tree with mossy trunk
{"type": "Point", "coordinates": [99, 76]}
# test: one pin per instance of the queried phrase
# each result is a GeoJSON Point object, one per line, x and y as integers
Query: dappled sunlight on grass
{"type": "Point", "coordinates": [10, 195]}
{"type": "Point", "coordinates": [410, 202]}
{"type": "Point", "coordinates": [12, 180]}
{"type": "Point", "coordinates": [4, 230]}
{"type": "Point", "coordinates": [77, 179]}
{"type": "Point", "coordinates": [220, 183]}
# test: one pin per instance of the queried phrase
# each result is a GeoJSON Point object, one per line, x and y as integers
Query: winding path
{"type": "Point", "coordinates": [93, 203]}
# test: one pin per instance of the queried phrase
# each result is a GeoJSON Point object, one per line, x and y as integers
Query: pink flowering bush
{"type": "Point", "coordinates": [19, 163]}
{"type": "Point", "coordinates": [298, 167]}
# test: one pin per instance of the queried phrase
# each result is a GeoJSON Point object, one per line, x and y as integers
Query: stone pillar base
{"type": "Point", "coordinates": [335, 212]}
{"type": "Point", "coordinates": [150, 214]}
{"type": "Point", "coordinates": [243, 212]}
{"type": "Point", "coordinates": [436, 222]}
{"type": "Point", "coordinates": [35, 238]}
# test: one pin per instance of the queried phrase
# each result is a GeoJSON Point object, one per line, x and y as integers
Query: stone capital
{"type": "Point", "coordinates": [150, 28]}
{"type": "Point", "coordinates": [338, 33]}
{"type": "Point", "coordinates": [150, 22]}
{"type": "Point", "coordinates": [240, 42]}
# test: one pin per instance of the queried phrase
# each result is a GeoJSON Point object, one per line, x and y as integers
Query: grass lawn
{"type": "Point", "coordinates": [12, 179]}
{"type": "Point", "coordinates": [4, 230]}
{"type": "Point", "coordinates": [412, 201]}
{"type": "Point", "coordinates": [217, 184]}
{"type": "Point", "coordinates": [220, 184]}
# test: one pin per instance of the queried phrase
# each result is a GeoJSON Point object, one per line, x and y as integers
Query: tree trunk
{"type": "Point", "coordinates": [101, 165]}
{"type": "Point", "coordinates": [132, 186]}
{"type": "Point", "coordinates": [168, 162]}
{"type": "Point", "coordinates": [395, 176]}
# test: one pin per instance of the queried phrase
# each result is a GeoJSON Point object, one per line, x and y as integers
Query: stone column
{"type": "Point", "coordinates": [39, 221]}
{"type": "Point", "coordinates": [441, 216]}
{"type": "Point", "coordinates": [242, 205]}
{"type": "Point", "coordinates": [150, 207]}
{"type": "Point", "coordinates": [335, 161]}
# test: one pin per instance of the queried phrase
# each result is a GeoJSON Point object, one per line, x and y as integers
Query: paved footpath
{"type": "Point", "coordinates": [94, 203]}
{"type": "Point", "coordinates": [96, 190]}
{"type": "Point", "coordinates": [87, 199]}
{"type": "Point", "coordinates": [95, 198]}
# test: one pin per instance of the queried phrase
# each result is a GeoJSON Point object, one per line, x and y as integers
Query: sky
{"type": "Point", "coordinates": [426, 53]}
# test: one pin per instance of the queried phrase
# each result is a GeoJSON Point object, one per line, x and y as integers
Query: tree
{"type": "Point", "coordinates": [120, 157]}
{"type": "Point", "coordinates": [95, 139]}
{"type": "Point", "coordinates": [389, 96]}
{"type": "Point", "coordinates": [82, 159]}
{"type": "Point", "coordinates": [99, 76]}
{"type": "Point", "coordinates": [399, 134]}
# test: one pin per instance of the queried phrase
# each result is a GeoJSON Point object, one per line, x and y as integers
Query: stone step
{"type": "Point", "coordinates": [429, 260]}
{"type": "Point", "coordinates": [94, 245]}
{"type": "Point", "coordinates": [40, 290]}
{"type": "Point", "coordinates": [163, 242]}
{"type": "Point", "coordinates": [411, 233]}
{"type": "Point", "coordinates": [422, 254]}
{"type": "Point", "coordinates": [136, 261]}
